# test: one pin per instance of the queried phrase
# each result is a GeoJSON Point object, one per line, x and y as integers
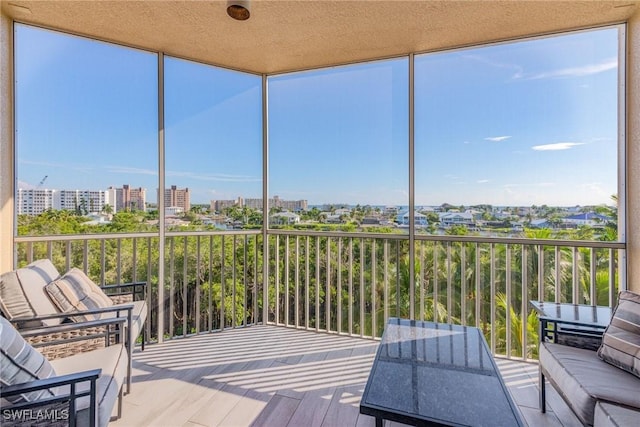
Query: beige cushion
{"type": "Point", "coordinates": [582, 378]}
{"type": "Point", "coordinates": [75, 291]}
{"type": "Point", "coordinates": [33, 278]}
{"type": "Point", "coordinates": [621, 341]}
{"type": "Point", "coordinates": [609, 415]}
{"type": "Point", "coordinates": [113, 361]}
{"type": "Point", "coordinates": [21, 363]}
{"type": "Point", "coordinates": [13, 301]}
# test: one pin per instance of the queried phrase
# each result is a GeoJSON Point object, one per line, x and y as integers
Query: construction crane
{"type": "Point", "coordinates": [42, 181]}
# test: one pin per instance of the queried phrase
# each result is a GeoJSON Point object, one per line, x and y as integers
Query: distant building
{"type": "Point", "coordinates": [540, 223]}
{"type": "Point", "coordinates": [178, 197]}
{"type": "Point", "coordinates": [390, 211]}
{"type": "Point", "coordinates": [83, 201]}
{"type": "Point", "coordinates": [173, 211]}
{"type": "Point", "coordinates": [220, 205]}
{"type": "Point", "coordinates": [289, 205]}
{"type": "Point", "coordinates": [334, 219]}
{"type": "Point", "coordinates": [275, 202]}
{"type": "Point", "coordinates": [370, 220]}
{"type": "Point", "coordinates": [285, 218]}
{"type": "Point", "coordinates": [448, 219]}
{"type": "Point", "coordinates": [419, 219]}
{"type": "Point", "coordinates": [34, 202]}
{"type": "Point", "coordinates": [591, 219]}
{"type": "Point", "coordinates": [127, 198]}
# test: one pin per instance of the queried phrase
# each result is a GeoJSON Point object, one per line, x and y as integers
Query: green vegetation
{"type": "Point", "coordinates": [351, 284]}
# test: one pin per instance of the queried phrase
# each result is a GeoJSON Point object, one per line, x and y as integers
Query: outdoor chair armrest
{"type": "Point", "coordinates": [65, 327]}
{"type": "Point", "coordinates": [118, 308]}
{"type": "Point", "coordinates": [101, 330]}
{"type": "Point", "coordinates": [48, 383]}
{"type": "Point", "coordinates": [66, 401]}
{"type": "Point", "coordinates": [132, 288]}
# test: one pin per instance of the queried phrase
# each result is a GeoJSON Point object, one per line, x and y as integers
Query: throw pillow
{"type": "Point", "coordinates": [75, 291]}
{"type": "Point", "coordinates": [621, 340]}
{"type": "Point", "coordinates": [21, 363]}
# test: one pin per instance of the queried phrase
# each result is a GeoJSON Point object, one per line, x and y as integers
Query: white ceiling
{"type": "Point", "coordinates": [292, 35]}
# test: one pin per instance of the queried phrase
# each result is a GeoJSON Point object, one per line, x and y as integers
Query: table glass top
{"type": "Point", "coordinates": [596, 316]}
{"type": "Point", "coordinates": [438, 372]}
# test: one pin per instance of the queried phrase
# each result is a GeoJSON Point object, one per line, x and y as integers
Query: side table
{"type": "Point", "coordinates": [577, 325]}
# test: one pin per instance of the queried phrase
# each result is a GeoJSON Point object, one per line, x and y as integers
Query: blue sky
{"type": "Point", "coordinates": [533, 122]}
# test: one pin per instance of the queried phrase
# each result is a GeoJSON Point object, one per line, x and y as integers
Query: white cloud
{"type": "Point", "coordinates": [135, 171]}
{"type": "Point", "coordinates": [213, 177]}
{"type": "Point", "coordinates": [189, 175]}
{"type": "Point", "coordinates": [482, 181]}
{"type": "Point", "coordinates": [25, 185]}
{"type": "Point", "coordinates": [517, 69]}
{"type": "Point", "coordinates": [497, 138]}
{"type": "Point", "coordinates": [556, 146]}
{"type": "Point", "coordinates": [585, 70]}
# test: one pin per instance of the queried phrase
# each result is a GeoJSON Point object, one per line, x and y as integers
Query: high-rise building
{"type": "Point", "coordinates": [81, 201]}
{"type": "Point", "coordinates": [34, 201]}
{"type": "Point", "coordinates": [177, 197]}
{"type": "Point", "coordinates": [289, 205]}
{"type": "Point", "coordinates": [275, 202]}
{"type": "Point", "coordinates": [127, 198]}
{"type": "Point", "coordinates": [219, 205]}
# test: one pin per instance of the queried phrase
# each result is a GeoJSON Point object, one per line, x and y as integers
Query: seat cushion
{"type": "Point", "coordinates": [113, 361]}
{"type": "Point", "coordinates": [582, 378]}
{"type": "Point", "coordinates": [21, 363]}
{"type": "Point", "coordinates": [621, 341]}
{"type": "Point", "coordinates": [32, 279]}
{"type": "Point", "coordinates": [609, 415]}
{"type": "Point", "coordinates": [75, 291]}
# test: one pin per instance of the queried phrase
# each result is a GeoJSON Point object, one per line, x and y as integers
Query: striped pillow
{"type": "Point", "coordinates": [21, 363]}
{"type": "Point", "coordinates": [75, 291]}
{"type": "Point", "coordinates": [621, 341]}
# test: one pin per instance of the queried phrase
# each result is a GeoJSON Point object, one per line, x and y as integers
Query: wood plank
{"type": "Point", "coordinates": [266, 375]}
{"type": "Point", "coordinates": [277, 412]}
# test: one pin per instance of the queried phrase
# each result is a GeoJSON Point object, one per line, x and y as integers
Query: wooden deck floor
{"type": "Point", "coordinates": [273, 376]}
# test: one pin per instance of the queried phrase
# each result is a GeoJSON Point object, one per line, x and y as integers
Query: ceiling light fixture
{"type": "Point", "coordinates": [238, 9]}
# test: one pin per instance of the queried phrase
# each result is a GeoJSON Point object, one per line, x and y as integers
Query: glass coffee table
{"type": "Point", "coordinates": [577, 325]}
{"type": "Point", "coordinates": [435, 374]}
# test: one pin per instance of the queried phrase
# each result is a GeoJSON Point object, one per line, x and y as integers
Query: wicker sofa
{"type": "Point", "coordinates": [37, 296]}
{"type": "Point", "coordinates": [601, 387]}
{"type": "Point", "coordinates": [78, 390]}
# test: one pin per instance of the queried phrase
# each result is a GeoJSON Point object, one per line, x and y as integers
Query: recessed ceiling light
{"type": "Point", "coordinates": [238, 9]}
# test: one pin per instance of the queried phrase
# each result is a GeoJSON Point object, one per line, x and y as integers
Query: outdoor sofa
{"type": "Point", "coordinates": [601, 387]}
{"type": "Point", "coordinates": [79, 390]}
{"type": "Point", "coordinates": [37, 296]}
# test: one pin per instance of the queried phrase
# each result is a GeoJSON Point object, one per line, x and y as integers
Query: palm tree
{"type": "Point", "coordinates": [517, 329]}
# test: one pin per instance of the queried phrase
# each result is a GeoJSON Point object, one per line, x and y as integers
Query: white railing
{"type": "Point", "coordinates": [345, 283]}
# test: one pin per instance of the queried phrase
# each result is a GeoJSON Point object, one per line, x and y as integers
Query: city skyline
{"type": "Point", "coordinates": [516, 124]}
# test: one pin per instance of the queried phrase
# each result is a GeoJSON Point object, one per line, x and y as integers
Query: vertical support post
{"type": "Point", "coordinates": [161, 185]}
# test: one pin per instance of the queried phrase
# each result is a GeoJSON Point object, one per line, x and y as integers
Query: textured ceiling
{"type": "Point", "coordinates": [293, 35]}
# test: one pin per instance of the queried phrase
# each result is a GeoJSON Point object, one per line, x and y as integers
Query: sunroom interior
{"type": "Point", "coordinates": [297, 38]}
